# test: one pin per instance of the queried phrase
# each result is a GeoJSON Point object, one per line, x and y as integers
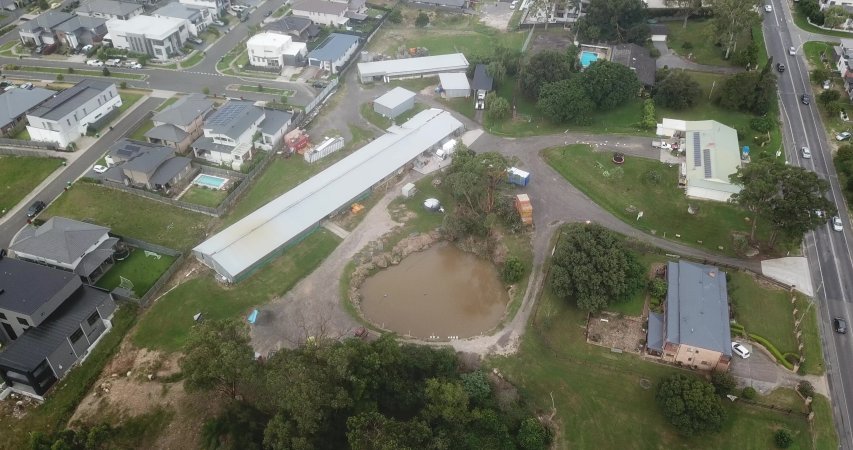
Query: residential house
{"type": "Point", "coordinates": [179, 124]}
{"type": "Point", "coordinates": [301, 28]}
{"type": "Point", "coordinates": [15, 104]}
{"type": "Point", "coordinates": [81, 30]}
{"type": "Point", "coordinates": [273, 128]}
{"type": "Point", "coordinates": [694, 329]}
{"type": "Point", "coordinates": [353, 5]}
{"type": "Point", "coordinates": [842, 54]}
{"type": "Point", "coordinates": [274, 51]}
{"type": "Point", "coordinates": [159, 37]}
{"type": "Point", "coordinates": [198, 17]}
{"type": "Point", "coordinates": [39, 31]}
{"type": "Point", "coordinates": [217, 8]}
{"type": "Point", "coordinates": [637, 59]}
{"type": "Point", "coordinates": [83, 248]}
{"type": "Point", "coordinates": [324, 12]}
{"type": "Point", "coordinates": [147, 166]}
{"type": "Point", "coordinates": [229, 133]}
{"type": "Point", "coordinates": [712, 155]}
{"type": "Point", "coordinates": [50, 321]}
{"type": "Point", "coordinates": [67, 115]}
{"type": "Point", "coordinates": [334, 52]}
{"type": "Point", "coordinates": [109, 9]}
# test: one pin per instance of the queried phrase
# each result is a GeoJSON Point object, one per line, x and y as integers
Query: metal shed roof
{"type": "Point", "coordinates": [454, 81]}
{"type": "Point", "coordinates": [237, 248]}
{"type": "Point", "coordinates": [395, 97]}
{"type": "Point", "coordinates": [697, 307]}
{"type": "Point", "coordinates": [334, 47]}
{"type": "Point", "coordinates": [398, 67]}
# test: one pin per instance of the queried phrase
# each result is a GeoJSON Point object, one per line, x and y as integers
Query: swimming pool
{"type": "Point", "coordinates": [588, 58]}
{"type": "Point", "coordinates": [210, 181]}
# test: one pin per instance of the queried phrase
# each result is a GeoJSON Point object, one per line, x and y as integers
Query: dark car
{"type": "Point", "coordinates": [36, 208]}
{"type": "Point", "coordinates": [840, 325]}
{"type": "Point", "coordinates": [806, 99]}
{"type": "Point", "coordinates": [780, 67]}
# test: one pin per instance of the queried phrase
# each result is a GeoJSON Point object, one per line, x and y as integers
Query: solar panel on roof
{"type": "Point", "coordinates": [697, 151]}
{"type": "Point", "coordinates": [706, 157]}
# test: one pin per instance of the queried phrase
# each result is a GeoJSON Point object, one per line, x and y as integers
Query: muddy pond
{"type": "Point", "coordinates": [439, 293]}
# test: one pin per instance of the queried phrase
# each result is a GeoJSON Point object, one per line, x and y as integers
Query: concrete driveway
{"type": "Point", "coordinates": [762, 372]}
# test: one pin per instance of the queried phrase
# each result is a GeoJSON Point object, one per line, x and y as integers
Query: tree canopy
{"type": "Point", "coordinates": [690, 404]}
{"type": "Point", "coordinates": [733, 18]}
{"type": "Point", "coordinates": [592, 266]}
{"type": "Point", "coordinates": [752, 92]}
{"type": "Point", "coordinates": [614, 21]}
{"type": "Point", "coordinates": [547, 66]}
{"type": "Point", "coordinates": [566, 101]}
{"type": "Point", "coordinates": [609, 84]}
{"type": "Point", "coordinates": [218, 357]}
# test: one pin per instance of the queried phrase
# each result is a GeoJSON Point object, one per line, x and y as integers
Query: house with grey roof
{"type": "Point", "coordinates": [637, 59]}
{"type": "Point", "coordinates": [694, 330]}
{"type": "Point", "coordinates": [40, 31]}
{"type": "Point", "coordinates": [229, 134]}
{"type": "Point", "coordinates": [298, 27]}
{"type": "Point", "coordinates": [324, 12]}
{"type": "Point", "coordinates": [181, 123]}
{"type": "Point", "coordinates": [81, 30]}
{"type": "Point", "coordinates": [334, 52]}
{"type": "Point", "coordinates": [83, 248]}
{"type": "Point", "coordinates": [14, 105]}
{"type": "Point", "coordinates": [67, 115]}
{"type": "Point", "coordinates": [49, 321]}
{"type": "Point", "coordinates": [147, 166]}
{"type": "Point", "coordinates": [275, 125]}
{"type": "Point", "coordinates": [109, 9]}
{"type": "Point", "coordinates": [198, 17]}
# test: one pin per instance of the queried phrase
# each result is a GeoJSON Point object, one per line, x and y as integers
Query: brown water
{"type": "Point", "coordinates": [439, 293]}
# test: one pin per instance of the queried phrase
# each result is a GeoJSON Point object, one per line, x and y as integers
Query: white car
{"type": "Point", "coordinates": [768, 8]}
{"type": "Point", "coordinates": [95, 62]}
{"type": "Point", "coordinates": [792, 51]}
{"type": "Point", "coordinates": [806, 153]}
{"type": "Point", "coordinates": [666, 146]}
{"type": "Point", "coordinates": [836, 224]}
{"type": "Point", "coordinates": [843, 136]}
{"type": "Point", "coordinates": [740, 350]}
{"type": "Point", "coordinates": [99, 169]}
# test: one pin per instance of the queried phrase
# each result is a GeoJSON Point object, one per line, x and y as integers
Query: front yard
{"type": "Point", "coordinates": [699, 42]}
{"type": "Point", "coordinates": [142, 270]}
{"type": "Point", "coordinates": [19, 175]}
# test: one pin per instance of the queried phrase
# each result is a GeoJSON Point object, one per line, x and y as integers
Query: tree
{"type": "Point", "coordinates": [218, 357]}
{"type": "Point", "coordinates": [615, 20]}
{"type": "Point", "coordinates": [687, 7]}
{"type": "Point", "coordinates": [43, 5]}
{"type": "Point", "coordinates": [657, 288]}
{"type": "Point", "coordinates": [690, 404]}
{"type": "Point", "coordinates": [533, 435]}
{"type": "Point", "coordinates": [734, 17]}
{"type": "Point", "coordinates": [758, 181]}
{"type": "Point", "coordinates": [476, 180]}
{"type": "Point", "coordinates": [649, 120]}
{"type": "Point", "coordinates": [783, 438]}
{"type": "Point", "coordinates": [676, 90]}
{"type": "Point", "coordinates": [752, 92]}
{"type": "Point", "coordinates": [476, 385]}
{"type": "Point", "coordinates": [205, 90]}
{"type": "Point", "coordinates": [547, 66]}
{"type": "Point", "coordinates": [123, 85]}
{"type": "Point", "coordinates": [828, 96]}
{"type": "Point", "coordinates": [746, 56]}
{"type": "Point", "coordinates": [591, 266]}
{"type": "Point", "coordinates": [105, 72]}
{"type": "Point", "coordinates": [60, 77]}
{"type": "Point", "coordinates": [724, 383]}
{"type": "Point", "coordinates": [609, 84]}
{"type": "Point", "coordinates": [497, 108]}
{"type": "Point", "coordinates": [512, 270]}
{"type": "Point", "coordinates": [834, 16]}
{"type": "Point", "coordinates": [422, 20]}
{"type": "Point", "coordinates": [497, 70]}
{"type": "Point", "coordinates": [820, 74]}
{"type": "Point", "coordinates": [395, 16]}
{"type": "Point", "coordinates": [566, 101]}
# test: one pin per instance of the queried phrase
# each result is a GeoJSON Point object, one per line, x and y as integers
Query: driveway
{"type": "Point", "coordinates": [762, 372]}
{"type": "Point", "coordinates": [669, 58]}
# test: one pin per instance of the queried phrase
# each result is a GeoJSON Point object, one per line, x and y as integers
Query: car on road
{"type": "Point", "coordinates": [268, 13]}
{"type": "Point", "coordinates": [95, 62]}
{"type": "Point", "coordinates": [36, 208]}
{"type": "Point", "coordinates": [740, 350]}
{"type": "Point", "coordinates": [806, 153]}
{"type": "Point", "coordinates": [837, 225]}
{"type": "Point", "coordinates": [99, 168]}
{"type": "Point", "coordinates": [843, 136]}
{"type": "Point", "coordinates": [513, 4]}
{"type": "Point", "coordinates": [780, 67]}
{"type": "Point", "coordinates": [806, 99]}
{"type": "Point", "coordinates": [839, 325]}
{"type": "Point", "coordinates": [768, 8]}
{"type": "Point", "coordinates": [792, 51]}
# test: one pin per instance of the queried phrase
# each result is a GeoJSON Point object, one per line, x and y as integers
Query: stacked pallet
{"type": "Point", "coordinates": [524, 208]}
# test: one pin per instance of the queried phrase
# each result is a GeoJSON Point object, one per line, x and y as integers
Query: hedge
{"type": "Point", "coordinates": [773, 350]}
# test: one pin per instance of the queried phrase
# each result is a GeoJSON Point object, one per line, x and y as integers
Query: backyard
{"type": "Point", "coordinates": [204, 196]}
{"type": "Point", "coordinates": [699, 42]}
{"type": "Point", "coordinates": [130, 215]}
{"type": "Point", "coordinates": [19, 175]}
{"type": "Point", "coordinates": [141, 269]}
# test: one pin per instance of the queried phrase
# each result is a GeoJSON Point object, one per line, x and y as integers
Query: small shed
{"type": "Point", "coordinates": [455, 85]}
{"type": "Point", "coordinates": [409, 190]}
{"type": "Point", "coordinates": [482, 80]}
{"type": "Point", "coordinates": [659, 32]}
{"type": "Point", "coordinates": [394, 102]}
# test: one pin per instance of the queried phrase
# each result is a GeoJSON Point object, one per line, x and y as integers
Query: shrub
{"type": "Point", "coordinates": [724, 383]}
{"type": "Point", "coordinates": [512, 271]}
{"type": "Point", "coordinates": [105, 72]}
{"type": "Point", "coordinates": [649, 120]}
{"type": "Point", "coordinates": [59, 77]}
{"type": "Point", "coordinates": [123, 85]}
{"type": "Point", "coordinates": [783, 438]}
{"type": "Point", "coordinates": [687, 45]}
{"type": "Point", "coordinates": [654, 52]}
{"type": "Point", "coordinates": [748, 393]}
{"type": "Point", "coordinates": [422, 20]}
{"type": "Point", "coordinates": [773, 350]}
{"type": "Point", "coordinates": [70, 70]}
{"type": "Point", "coordinates": [395, 16]}
{"type": "Point", "coordinates": [657, 288]}
{"type": "Point", "coordinates": [761, 124]}
{"type": "Point", "coordinates": [805, 388]}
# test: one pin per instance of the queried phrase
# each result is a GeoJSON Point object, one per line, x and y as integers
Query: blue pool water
{"type": "Point", "coordinates": [210, 181]}
{"type": "Point", "coordinates": [588, 58]}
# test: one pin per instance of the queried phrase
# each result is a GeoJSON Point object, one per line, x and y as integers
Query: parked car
{"type": "Point", "coordinates": [826, 84]}
{"type": "Point", "coordinates": [806, 153]}
{"type": "Point", "coordinates": [95, 62]}
{"type": "Point", "coordinates": [99, 168]}
{"type": "Point", "coordinates": [839, 325]}
{"type": "Point", "coordinates": [740, 350]}
{"type": "Point", "coordinates": [768, 8]}
{"type": "Point", "coordinates": [195, 40]}
{"type": "Point", "coordinates": [218, 23]}
{"type": "Point", "coordinates": [133, 65]}
{"type": "Point", "coordinates": [36, 208]}
{"type": "Point", "coordinates": [513, 4]}
{"type": "Point", "coordinates": [806, 99]}
{"type": "Point", "coordinates": [843, 136]}
{"type": "Point", "coordinates": [112, 62]}
{"type": "Point", "coordinates": [780, 67]}
{"type": "Point", "coordinates": [86, 48]}
{"type": "Point", "coordinates": [837, 225]}
{"type": "Point", "coordinates": [268, 13]}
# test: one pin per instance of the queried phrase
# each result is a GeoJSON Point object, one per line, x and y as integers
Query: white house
{"type": "Point", "coordinates": [109, 9]}
{"type": "Point", "coordinates": [334, 52]}
{"type": "Point", "coordinates": [217, 8]}
{"type": "Point", "coordinates": [67, 115]}
{"type": "Point", "coordinates": [275, 50]}
{"type": "Point", "coordinates": [228, 134]}
{"type": "Point", "coordinates": [322, 11]}
{"type": "Point", "coordinates": [197, 17]}
{"type": "Point", "coordinates": [160, 37]}
{"type": "Point", "coordinates": [273, 128]}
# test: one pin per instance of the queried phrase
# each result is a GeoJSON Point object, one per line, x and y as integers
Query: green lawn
{"type": "Point", "coordinates": [598, 397]}
{"type": "Point", "coordinates": [23, 135]}
{"type": "Point", "coordinates": [167, 103]}
{"type": "Point", "coordinates": [192, 60]}
{"type": "Point", "coordinates": [701, 37]}
{"type": "Point", "coordinates": [815, 49]}
{"type": "Point", "coordinates": [281, 11]}
{"type": "Point", "coordinates": [167, 323]}
{"type": "Point", "coordinates": [204, 196]}
{"type": "Point", "coordinates": [139, 133]}
{"type": "Point", "coordinates": [457, 33]}
{"type": "Point", "coordinates": [814, 363]}
{"type": "Point", "coordinates": [130, 215]}
{"type": "Point", "coordinates": [664, 205]}
{"type": "Point", "coordinates": [634, 305]}
{"type": "Point", "coordinates": [763, 310]}
{"type": "Point", "coordinates": [88, 73]}
{"type": "Point", "coordinates": [143, 271]}
{"type": "Point", "coordinates": [801, 22]}
{"type": "Point", "coordinates": [825, 435]}
{"type": "Point", "coordinates": [266, 90]}
{"type": "Point", "coordinates": [19, 175]}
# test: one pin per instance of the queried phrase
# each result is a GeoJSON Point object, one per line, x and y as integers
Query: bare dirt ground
{"type": "Point", "coordinates": [496, 15]}
{"type": "Point", "coordinates": [554, 39]}
{"type": "Point", "coordinates": [612, 331]}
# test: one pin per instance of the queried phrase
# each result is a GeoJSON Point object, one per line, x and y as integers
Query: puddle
{"type": "Point", "coordinates": [439, 293]}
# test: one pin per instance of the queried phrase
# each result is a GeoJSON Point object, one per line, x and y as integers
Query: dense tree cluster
{"type": "Point", "coordinates": [592, 266]}
{"type": "Point", "coordinates": [812, 10]}
{"type": "Point", "coordinates": [360, 395]}
{"type": "Point", "coordinates": [690, 404]}
{"type": "Point", "coordinates": [547, 66]}
{"type": "Point", "coordinates": [676, 89]}
{"type": "Point", "coordinates": [752, 92]}
{"type": "Point", "coordinates": [614, 21]}
{"type": "Point", "coordinates": [732, 18]}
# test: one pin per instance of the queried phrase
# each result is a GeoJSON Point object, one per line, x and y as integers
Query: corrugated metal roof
{"type": "Point", "coordinates": [697, 307]}
{"type": "Point", "coordinates": [26, 286]}
{"type": "Point", "coordinates": [482, 80]}
{"type": "Point", "coordinates": [719, 155]}
{"type": "Point", "coordinates": [395, 97]}
{"type": "Point", "coordinates": [238, 247]}
{"type": "Point", "coordinates": [334, 47]}
{"type": "Point", "coordinates": [655, 335]}
{"type": "Point", "coordinates": [454, 81]}
{"type": "Point", "coordinates": [397, 67]}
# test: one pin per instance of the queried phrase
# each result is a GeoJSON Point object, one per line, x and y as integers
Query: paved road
{"type": "Point", "coordinates": [83, 163]}
{"type": "Point", "coordinates": [828, 252]}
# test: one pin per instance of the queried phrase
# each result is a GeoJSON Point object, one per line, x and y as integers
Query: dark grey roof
{"type": "Point", "coordinates": [233, 118]}
{"type": "Point", "coordinates": [167, 132]}
{"type": "Point", "coordinates": [697, 307]}
{"type": "Point", "coordinates": [275, 120]}
{"type": "Point", "coordinates": [46, 21]}
{"type": "Point", "coordinates": [184, 111]}
{"type": "Point", "coordinates": [335, 46]}
{"type": "Point", "coordinates": [70, 99]}
{"type": "Point", "coordinates": [290, 25]}
{"type": "Point", "coordinates": [355, 15]}
{"type": "Point", "coordinates": [18, 101]}
{"type": "Point", "coordinates": [169, 169]}
{"type": "Point", "coordinates": [148, 161]}
{"type": "Point", "coordinates": [655, 335]}
{"type": "Point", "coordinates": [482, 80]}
{"type": "Point", "coordinates": [178, 10]}
{"type": "Point", "coordinates": [454, 3]}
{"type": "Point", "coordinates": [96, 257]}
{"type": "Point", "coordinates": [109, 7]}
{"type": "Point", "coordinates": [27, 286]}
{"type": "Point", "coordinates": [59, 239]}
{"type": "Point", "coordinates": [637, 58]}
{"type": "Point", "coordinates": [206, 143]}
{"type": "Point", "coordinates": [37, 343]}
{"type": "Point", "coordinates": [127, 149]}
{"type": "Point", "coordinates": [84, 22]}
{"type": "Point", "coordinates": [320, 6]}
{"type": "Point", "coordinates": [659, 29]}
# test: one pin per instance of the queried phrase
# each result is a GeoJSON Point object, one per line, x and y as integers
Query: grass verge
{"type": "Point", "coordinates": [194, 59]}
{"type": "Point", "coordinates": [266, 90]}
{"type": "Point", "coordinates": [19, 175]}
{"type": "Point", "coordinates": [88, 73]}
{"type": "Point", "coordinates": [142, 270]}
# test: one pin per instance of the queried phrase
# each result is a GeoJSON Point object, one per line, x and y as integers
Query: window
{"type": "Point", "coordinates": [2, 316]}
{"type": "Point", "coordinates": [76, 336]}
{"type": "Point", "coordinates": [68, 121]}
{"type": "Point", "coordinates": [93, 318]}
{"type": "Point", "coordinates": [23, 321]}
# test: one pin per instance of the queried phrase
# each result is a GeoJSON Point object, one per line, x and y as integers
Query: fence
{"type": "Point", "coordinates": [27, 152]}
{"type": "Point", "coordinates": [27, 144]}
{"type": "Point", "coordinates": [159, 198]}
{"type": "Point", "coordinates": [309, 108]}
{"type": "Point", "coordinates": [146, 298]}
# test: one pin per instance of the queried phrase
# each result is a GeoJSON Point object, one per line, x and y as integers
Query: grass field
{"type": "Point", "coordinates": [139, 133]}
{"type": "Point", "coordinates": [266, 90]}
{"type": "Point", "coordinates": [813, 51]}
{"type": "Point", "coordinates": [204, 196]}
{"type": "Point", "coordinates": [699, 38]}
{"type": "Point", "coordinates": [143, 271]}
{"type": "Point", "coordinates": [814, 363]}
{"type": "Point", "coordinates": [167, 323]}
{"type": "Point", "coordinates": [129, 215]}
{"type": "Point", "coordinates": [763, 310]}
{"type": "Point", "coordinates": [664, 205]}
{"type": "Point", "coordinates": [88, 73]}
{"type": "Point", "coordinates": [634, 305]}
{"type": "Point", "coordinates": [801, 22]}
{"type": "Point", "coordinates": [19, 175]}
